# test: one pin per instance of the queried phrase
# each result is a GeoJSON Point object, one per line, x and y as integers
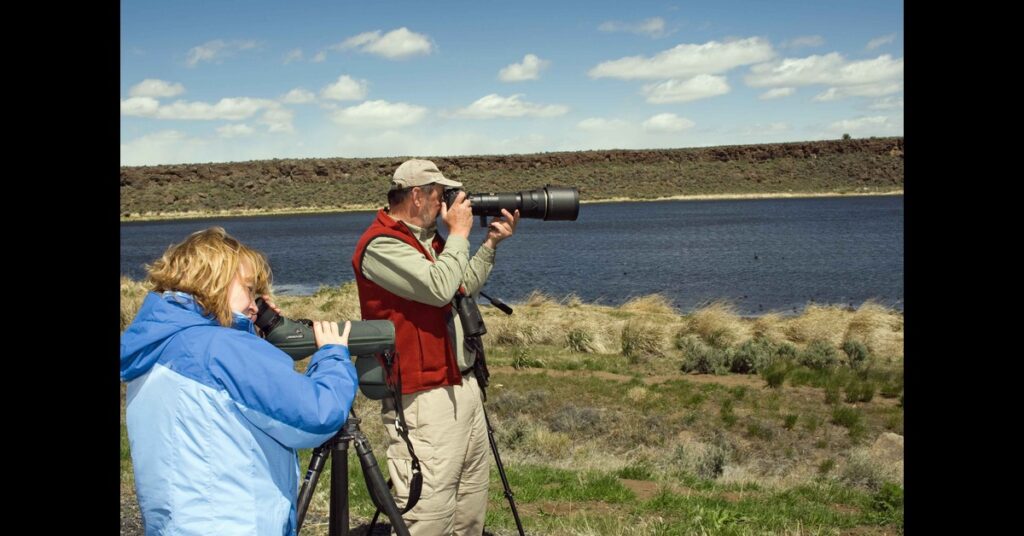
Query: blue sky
{"type": "Point", "coordinates": [220, 81]}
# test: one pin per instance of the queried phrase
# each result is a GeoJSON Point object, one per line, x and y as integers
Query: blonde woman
{"type": "Point", "coordinates": [215, 413]}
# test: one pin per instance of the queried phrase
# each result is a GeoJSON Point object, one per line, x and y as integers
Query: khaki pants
{"type": "Point", "coordinates": [449, 435]}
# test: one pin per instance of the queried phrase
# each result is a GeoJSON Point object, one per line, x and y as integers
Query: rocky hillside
{"type": "Point", "coordinates": [839, 166]}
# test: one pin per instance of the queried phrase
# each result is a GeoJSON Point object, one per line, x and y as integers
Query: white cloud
{"type": "Point", "coordinates": [699, 87]}
{"type": "Point", "coordinates": [396, 44]}
{"type": "Point", "coordinates": [379, 113]}
{"type": "Point", "coordinates": [345, 88]}
{"type": "Point", "coordinates": [684, 61]}
{"type": "Point", "coordinates": [164, 147]}
{"type": "Point", "coordinates": [830, 69]}
{"type": "Point", "coordinates": [235, 131]}
{"type": "Point", "coordinates": [152, 87]}
{"type": "Point", "coordinates": [357, 41]}
{"type": "Point", "coordinates": [319, 57]}
{"type": "Point", "coordinates": [804, 41]}
{"type": "Point", "coordinates": [294, 54]}
{"type": "Point", "coordinates": [140, 106]}
{"type": "Point", "coordinates": [216, 50]}
{"type": "Point", "coordinates": [861, 90]}
{"type": "Point", "coordinates": [494, 105]}
{"type": "Point", "coordinates": [879, 41]}
{"type": "Point", "coordinates": [529, 69]}
{"type": "Point", "coordinates": [777, 93]}
{"type": "Point", "coordinates": [461, 141]}
{"type": "Point", "coordinates": [653, 27]}
{"type": "Point", "coordinates": [887, 103]}
{"type": "Point", "coordinates": [174, 147]}
{"type": "Point", "coordinates": [228, 108]}
{"type": "Point", "coordinates": [878, 125]}
{"type": "Point", "coordinates": [602, 124]}
{"type": "Point", "coordinates": [298, 96]}
{"type": "Point", "coordinates": [278, 119]}
{"type": "Point", "coordinates": [667, 122]}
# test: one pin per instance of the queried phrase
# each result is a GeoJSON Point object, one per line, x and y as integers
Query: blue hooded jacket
{"type": "Point", "coordinates": [215, 416]}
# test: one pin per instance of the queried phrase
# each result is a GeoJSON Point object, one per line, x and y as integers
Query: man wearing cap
{"type": "Point", "coordinates": [407, 273]}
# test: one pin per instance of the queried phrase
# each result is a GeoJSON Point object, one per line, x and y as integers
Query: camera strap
{"type": "Point", "coordinates": [416, 482]}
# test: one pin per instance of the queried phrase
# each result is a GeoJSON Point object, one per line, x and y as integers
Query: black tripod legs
{"type": "Point", "coordinates": [339, 504]}
{"type": "Point", "coordinates": [339, 488]}
{"type": "Point", "coordinates": [501, 472]}
{"type": "Point", "coordinates": [316, 466]}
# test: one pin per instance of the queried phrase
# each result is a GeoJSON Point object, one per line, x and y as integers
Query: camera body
{"type": "Point", "coordinates": [547, 203]}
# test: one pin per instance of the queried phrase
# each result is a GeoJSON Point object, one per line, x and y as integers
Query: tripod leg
{"type": "Point", "coordinates": [316, 465]}
{"type": "Point", "coordinates": [339, 490]}
{"type": "Point", "coordinates": [377, 487]}
{"type": "Point", "coordinates": [501, 472]}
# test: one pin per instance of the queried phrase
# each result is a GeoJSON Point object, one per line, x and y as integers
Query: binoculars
{"type": "Point", "coordinates": [366, 340]}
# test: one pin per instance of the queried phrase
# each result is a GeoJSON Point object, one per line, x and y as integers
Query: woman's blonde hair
{"type": "Point", "coordinates": [204, 265]}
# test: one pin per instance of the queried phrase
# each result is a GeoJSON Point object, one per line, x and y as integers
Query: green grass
{"type": "Point", "coordinates": [638, 471]}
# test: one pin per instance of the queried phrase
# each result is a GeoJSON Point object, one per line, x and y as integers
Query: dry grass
{"type": "Point", "coordinates": [537, 298]}
{"type": "Point", "coordinates": [132, 295]}
{"type": "Point", "coordinates": [827, 323]}
{"type": "Point", "coordinates": [586, 335]}
{"type": "Point", "coordinates": [540, 319]}
{"type": "Point", "coordinates": [525, 327]}
{"type": "Point", "coordinates": [879, 328]}
{"type": "Point", "coordinates": [864, 469]}
{"type": "Point", "coordinates": [718, 324]}
{"type": "Point", "coordinates": [643, 338]}
{"type": "Point", "coordinates": [641, 327]}
{"type": "Point", "coordinates": [769, 326]}
{"type": "Point", "coordinates": [328, 303]}
{"type": "Point", "coordinates": [651, 304]}
{"type": "Point", "coordinates": [638, 395]}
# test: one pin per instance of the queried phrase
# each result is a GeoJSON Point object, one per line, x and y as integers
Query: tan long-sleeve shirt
{"type": "Point", "coordinates": [403, 271]}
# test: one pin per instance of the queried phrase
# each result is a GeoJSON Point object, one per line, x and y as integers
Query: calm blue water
{"type": "Point", "coordinates": [771, 254]}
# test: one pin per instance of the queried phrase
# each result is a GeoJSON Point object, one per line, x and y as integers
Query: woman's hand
{"type": "Point", "coordinates": [326, 332]}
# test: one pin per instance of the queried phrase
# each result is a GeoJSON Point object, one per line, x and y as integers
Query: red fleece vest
{"type": "Point", "coordinates": [426, 358]}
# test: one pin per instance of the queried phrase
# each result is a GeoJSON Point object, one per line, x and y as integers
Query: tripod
{"type": "Point", "coordinates": [379, 494]}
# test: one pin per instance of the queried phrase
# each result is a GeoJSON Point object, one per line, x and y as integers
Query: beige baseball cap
{"type": "Point", "coordinates": [417, 172]}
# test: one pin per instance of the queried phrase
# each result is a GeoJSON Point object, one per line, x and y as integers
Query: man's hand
{"type": "Point", "coordinates": [501, 229]}
{"type": "Point", "coordinates": [458, 218]}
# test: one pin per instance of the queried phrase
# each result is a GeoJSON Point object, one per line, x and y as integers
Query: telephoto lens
{"type": "Point", "coordinates": [547, 203]}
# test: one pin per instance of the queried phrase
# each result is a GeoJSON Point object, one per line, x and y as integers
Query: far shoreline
{"type": "Point", "coordinates": [195, 215]}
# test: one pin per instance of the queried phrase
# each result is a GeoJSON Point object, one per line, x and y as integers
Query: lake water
{"type": "Point", "coordinates": [762, 255]}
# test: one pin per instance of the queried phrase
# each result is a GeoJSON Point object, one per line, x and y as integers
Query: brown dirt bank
{"type": "Point", "coordinates": [329, 184]}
